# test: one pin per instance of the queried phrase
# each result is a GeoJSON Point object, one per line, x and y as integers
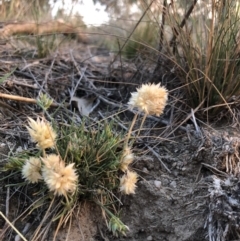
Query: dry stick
{"type": "Point", "coordinates": [165, 122]}
{"type": "Point", "coordinates": [32, 76]}
{"type": "Point", "coordinates": [15, 82]}
{"type": "Point", "coordinates": [81, 73]}
{"type": "Point", "coordinates": [58, 227]}
{"type": "Point", "coordinates": [46, 228]}
{"type": "Point", "coordinates": [64, 219]}
{"type": "Point", "coordinates": [214, 169]}
{"type": "Point", "coordinates": [158, 157]}
{"type": "Point", "coordinates": [175, 31]}
{"type": "Point", "coordinates": [45, 232]}
{"type": "Point", "coordinates": [195, 123]}
{"type": "Point", "coordinates": [120, 57]}
{"type": "Point", "coordinates": [12, 226]}
{"type": "Point", "coordinates": [22, 99]}
{"type": "Point", "coordinates": [7, 201]}
{"type": "Point", "coordinates": [209, 55]}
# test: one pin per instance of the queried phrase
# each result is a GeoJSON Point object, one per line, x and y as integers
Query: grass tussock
{"type": "Point", "coordinates": [82, 164]}
{"type": "Point", "coordinates": [205, 53]}
{"type": "Point", "coordinates": [198, 43]}
{"type": "Point", "coordinates": [73, 163]}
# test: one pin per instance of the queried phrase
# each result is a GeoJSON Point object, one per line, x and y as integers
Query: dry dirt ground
{"type": "Point", "coordinates": [188, 188]}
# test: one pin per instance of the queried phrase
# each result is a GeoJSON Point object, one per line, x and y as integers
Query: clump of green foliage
{"type": "Point", "coordinates": [89, 155]}
{"type": "Point", "coordinates": [74, 162]}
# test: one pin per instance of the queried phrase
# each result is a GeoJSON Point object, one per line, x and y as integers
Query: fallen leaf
{"type": "Point", "coordinates": [85, 105]}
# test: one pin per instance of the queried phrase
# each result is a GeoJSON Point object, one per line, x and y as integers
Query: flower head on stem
{"type": "Point", "coordinates": [31, 170]}
{"type": "Point", "coordinates": [42, 133]}
{"type": "Point", "coordinates": [127, 159]}
{"type": "Point", "coordinates": [150, 99]}
{"type": "Point", "coordinates": [128, 182]}
{"type": "Point", "coordinates": [59, 178]}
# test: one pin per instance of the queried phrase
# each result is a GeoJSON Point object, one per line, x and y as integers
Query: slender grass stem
{"type": "Point", "coordinates": [36, 234]}
{"type": "Point", "coordinates": [12, 226]}
{"type": "Point", "coordinates": [44, 153]}
{"type": "Point", "coordinates": [130, 129]}
{"type": "Point", "coordinates": [143, 120]}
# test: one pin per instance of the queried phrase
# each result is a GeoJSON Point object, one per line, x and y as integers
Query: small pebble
{"type": "Point", "coordinates": [175, 173]}
{"type": "Point", "coordinates": [149, 238]}
{"type": "Point", "coordinates": [165, 181]}
{"type": "Point", "coordinates": [173, 184]}
{"type": "Point", "coordinates": [19, 149]}
{"type": "Point", "coordinates": [157, 184]}
{"type": "Point", "coordinates": [174, 164]}
{"type": "Point", "coordinates": [145, 170]}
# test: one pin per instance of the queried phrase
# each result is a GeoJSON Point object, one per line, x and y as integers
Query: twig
{"type": "Point", "coordinates": [12, 226]}
{"type": "Point", "coordinates": [150, 149]}
{"type": "Point", "coordinates": [23, 84]}
{"type": "Point", "coordinates": [195, 123]}
{"type": "Point", "coordinates": [215, 169]}
{"type": "Point", "coordinates": [22, 99]}
{"type": "Point", "coordinates": [158, 157]}
{"type": "Point", "coordinates": [7, 202]}
{"type": "Point", "coordinates": [108, 101]}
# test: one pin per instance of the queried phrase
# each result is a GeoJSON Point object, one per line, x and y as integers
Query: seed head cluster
{"type": "Point", "coordinates": [42, 133]}
{"type": "Point", "coordinates": [59, 178]}
{"type": "Point", "coordinates": [128, 182]}
{"type": "Point", "coordinates": [127, 159]}
{"type": "Point", "coordinates": [31, 170]}
{"type": "Point", "coordinates": [150, 99]}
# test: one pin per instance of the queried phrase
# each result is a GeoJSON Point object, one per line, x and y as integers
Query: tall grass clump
{"type": "Point", "coordinates": [205, 53]}
{"type": "Point", "coordinates": [20, 9]}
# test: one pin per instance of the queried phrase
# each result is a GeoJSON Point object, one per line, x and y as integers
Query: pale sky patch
{"type": "Point", "coordinates": [93, 14]}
